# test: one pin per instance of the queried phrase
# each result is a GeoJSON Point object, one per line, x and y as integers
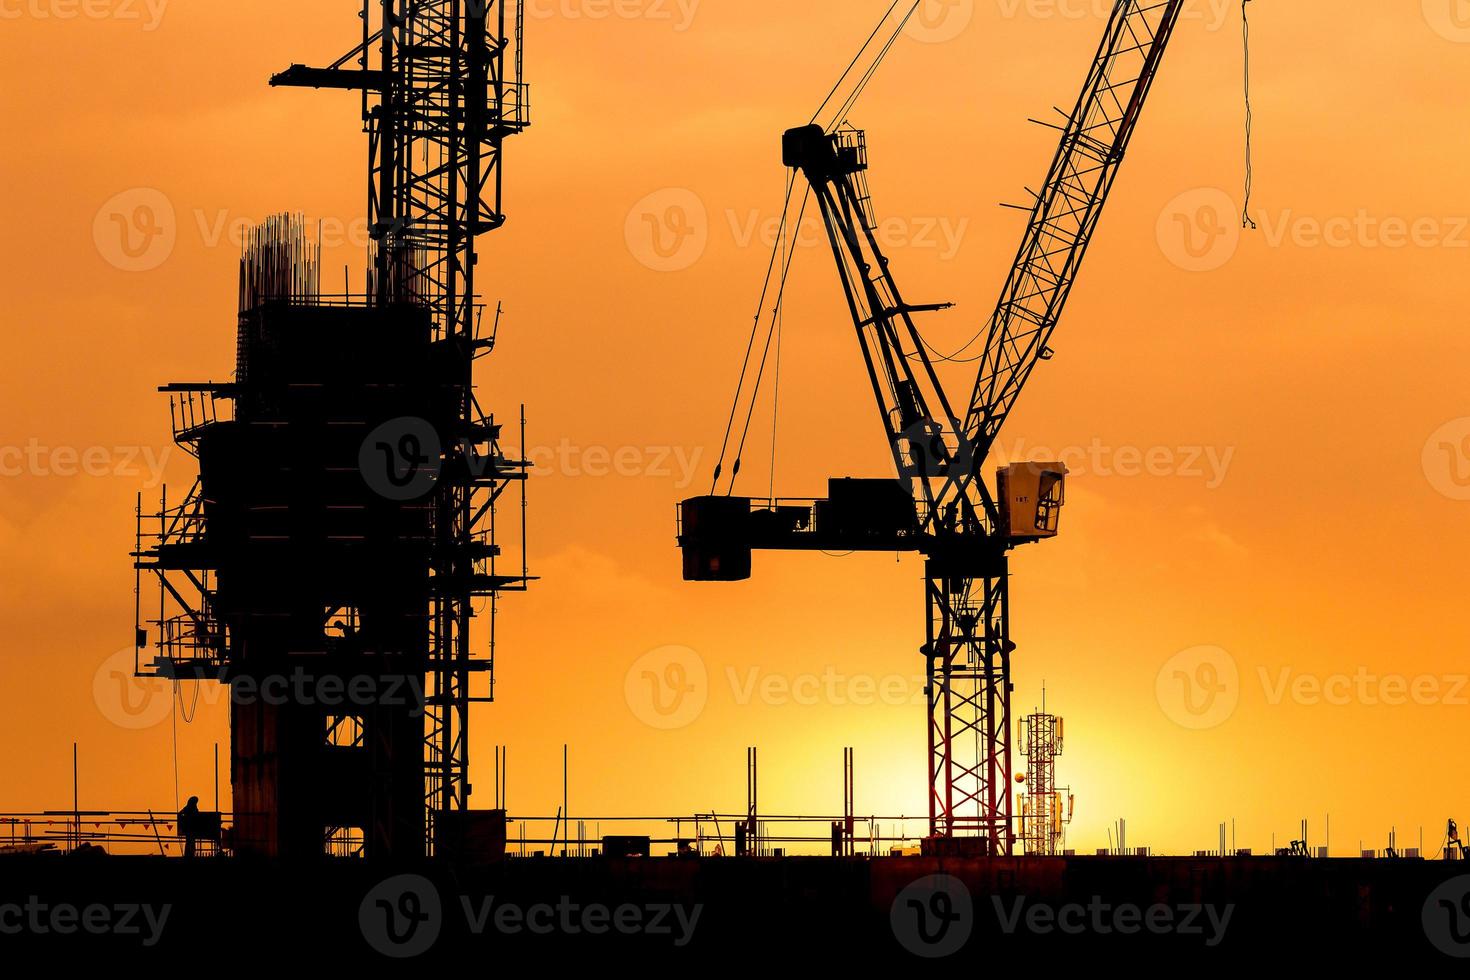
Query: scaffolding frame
{"type": "Point", "coordinates": [437, 104]}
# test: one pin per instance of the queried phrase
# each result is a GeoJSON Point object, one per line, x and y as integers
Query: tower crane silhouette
{"type": "Point", "coordinates": [940, 505]}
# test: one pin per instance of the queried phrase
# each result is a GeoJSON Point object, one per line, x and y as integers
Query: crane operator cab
{"type": "Point", "coordinates": [1030, 496]}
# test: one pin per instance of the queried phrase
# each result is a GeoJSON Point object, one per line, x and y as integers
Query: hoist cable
{"type": "Point", "coordinates": [174, 727]}
{"type": "Point", "coordinates": [1246, 221]}
{"type": "Point", "coordinates": [862, 84]}
{"type": "Point", "coordinates": [855, 59]}
{"type": "Point", "coordinates": [847, 105]}
{"type": "Point", "coordinates": [776, 381]}
{"type": "Point", "coordinates": [750, 345]}
{"type": "Point", "coordinates": [765, 353]}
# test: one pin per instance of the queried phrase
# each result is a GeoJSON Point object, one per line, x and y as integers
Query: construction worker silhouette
{"type": "Point", "coordinates": [189, 825]}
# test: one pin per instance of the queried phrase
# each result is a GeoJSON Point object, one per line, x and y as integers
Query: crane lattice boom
{"type": "Point", "coordinates": [1094, 140]}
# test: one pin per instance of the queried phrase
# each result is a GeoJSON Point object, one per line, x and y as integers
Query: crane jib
{"type": "Point", "coordinates": [1067, 209]}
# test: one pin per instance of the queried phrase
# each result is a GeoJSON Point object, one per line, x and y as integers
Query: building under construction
{"type": "Point", "coordinates": [327, 562]}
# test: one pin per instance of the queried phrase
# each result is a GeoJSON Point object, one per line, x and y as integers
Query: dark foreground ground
{"type": "Point", "coordinates": [223, 914]}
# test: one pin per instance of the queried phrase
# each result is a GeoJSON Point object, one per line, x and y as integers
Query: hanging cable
{"type": "Point", "coordinates": [750, 345]}
{"type": "Point", "coordinates": [188, 713]}
{"type": "Point", "coordinates": [842, 113]}
{"type": "Point", "coordinates": [954, 358]}
{"type": "Point", "coordinates": [846, 107]}
{"type": "Point", "coordinates": [862, 84]}
{"type": "Point", "coordinates": [765, 353]}
{"type": "Point", "coordinates": [855, 59]}
{"type": "Point", "coordinates": [175, 728]}
{"type": "Point", "coordinates": [776, 381]}
{"type": "Point", "coordinates": [1246, 221]}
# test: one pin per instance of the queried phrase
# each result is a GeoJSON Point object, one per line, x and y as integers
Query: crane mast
{"type": "Point", "coordinates": [941, 507]}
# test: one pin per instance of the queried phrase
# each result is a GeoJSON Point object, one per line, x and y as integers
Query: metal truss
{"type": "Point", "coordinates": [968, 653]}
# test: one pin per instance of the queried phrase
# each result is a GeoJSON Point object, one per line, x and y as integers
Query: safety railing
{"type": "Point", "coordinates": [114, 831]}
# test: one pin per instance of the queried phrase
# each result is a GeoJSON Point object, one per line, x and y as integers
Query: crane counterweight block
{"type": "Point", "coordinates": [714, 538]}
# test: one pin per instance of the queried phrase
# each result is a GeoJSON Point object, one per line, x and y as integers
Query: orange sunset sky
{"type": "Point", "coordinates": [1269, 431]}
